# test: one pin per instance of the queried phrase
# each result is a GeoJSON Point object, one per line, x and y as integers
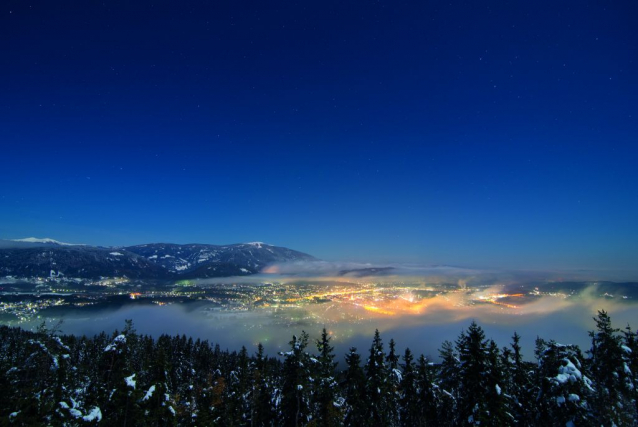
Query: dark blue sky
{"type": "Point", "coordinates": [496, 134]}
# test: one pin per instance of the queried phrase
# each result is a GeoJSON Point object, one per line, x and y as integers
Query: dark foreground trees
{"type": "Point", "coordinates": [135, 380]}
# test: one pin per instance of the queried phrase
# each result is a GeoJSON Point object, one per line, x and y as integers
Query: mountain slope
{"type": "Point", "coordinates": [161, 261]}
{"type": "Point", "coordinates": [77, 261]}
{"type": "Point", "coordinates": [199, 260]}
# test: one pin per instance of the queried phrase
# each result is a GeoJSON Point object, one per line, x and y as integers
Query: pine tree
{"type": "Point", "coordinates": [394, 380]}
{"type": "Point", "coordinates": [377, 383]}
{"type": "Point", "coordinates": [118, 388]}
{"type": "Point", "coordinates": [326, 396]}
{"type": "Point", "coordinates": [610, 373]}
{"type": "Point", "coordinates": [354, 391]}
{"type": "Point", "coordinates": [430, 412]}
{"type": "Point", "coordinates": [295, 403]}
{"type": "Point", "coordinates": [473, 384]}
{"type": "Point", "coordinates": [498, 402]}
{"type": "Point", "coordinates": [630, 348]}
{"type": "Point", "coordinates": [155, 400]}
{"type": "Point", "coordinates": [238, 410]}
{"type": "Point", "coordinates": [41, 379]}
{"type": "Point", "coordinates": [262, 391]}
{"type": "Point", "coordinates": [409, 397]}
{"type": "Point", "coordinates": [564, 388]}
{"type": "Point", "coordinates": [449, 384]}
{"type": "Point", "coordinates": [523, 405]}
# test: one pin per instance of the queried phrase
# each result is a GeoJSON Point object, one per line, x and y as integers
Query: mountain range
{"type": "Point", "coordinates": [33, 257]}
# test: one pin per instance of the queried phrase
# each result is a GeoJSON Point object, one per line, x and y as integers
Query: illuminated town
{"type": "Point", "coordinates": [323, 301]}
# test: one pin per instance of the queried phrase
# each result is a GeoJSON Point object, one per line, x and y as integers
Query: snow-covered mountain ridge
{"type": "Point", "coordinates": [45, 257]}
{"type": "Point", "coordinates": [45, 240]}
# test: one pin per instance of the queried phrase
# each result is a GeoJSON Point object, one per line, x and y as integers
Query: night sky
{"type": "Point", "coordinates": [480, 134]}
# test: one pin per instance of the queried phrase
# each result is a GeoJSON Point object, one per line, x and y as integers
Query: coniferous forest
{"type": "Point", "coordinates": [129, 379]}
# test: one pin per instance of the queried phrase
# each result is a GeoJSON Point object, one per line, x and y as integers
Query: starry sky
{"type": "Point", "coordinates": [484, 134]}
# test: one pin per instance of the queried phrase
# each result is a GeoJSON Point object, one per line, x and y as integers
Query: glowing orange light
{"type": "Point", "coordinates": [379, 310]}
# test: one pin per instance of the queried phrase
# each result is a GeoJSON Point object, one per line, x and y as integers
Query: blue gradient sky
{"type": "Point", "coordinates": [482, 134]}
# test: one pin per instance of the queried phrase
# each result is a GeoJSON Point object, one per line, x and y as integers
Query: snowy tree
{"type": "Point", "coordinates": [296, 387]}
{"type": "Point", "coordinates": [238, 411]}
{"type": "Point", "coordinates": [564, 390]}
{"type": "Point", "coordinates": [394, 379]}
{"type": "Point", "coordinates": [611, 374]}
{"type": "Point", "coordinates": [497, 373]}
{"type": "Point", "coordinates": [473, 381]}
{"type": "Point", "coordinates": [262, 391]}
{"type": "Point", "coordinates": [326, 400]}
{"type": "Point", "coordinates": [353, 388]}
{"type": "Point", "coordinates": [377, 390]}
{"type": "Point", "coordinates": [521, 387]}
{"type": "Point", "coordinates": [449, 383]}
{"type": "Point", "coordinates": [118, 388]}
{"type": "Point", "coordinates": [630, 348]}
{"type": "Point", "coordinates": [409, 397]}
{"type": "Point", "coordinates": [430, 410]}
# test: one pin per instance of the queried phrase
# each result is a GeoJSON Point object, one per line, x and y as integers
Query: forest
{"type": "Point", "coordinates": [131, 379]}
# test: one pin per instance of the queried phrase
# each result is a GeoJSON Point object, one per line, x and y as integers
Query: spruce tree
{"type": "Point", "coordinates": [326, 396]}
{"type": "Point", "coordinates": [409, 397]}
{"type": "Point", "coordinates": [377, 383]}
{"type": "Point", "coordinates": [449, 384]}
{"type": "Point", "coordinates": [262, 391]}
{"type": "Point", "coordinates": [119, 388]}
{"type": "Point", "coordinates": [523, 399]}
{"type": "Point", "coordinates": [353, 386]}
{"type": "Point", "coordinates": [610, 373]}
{"type": "Point", "coordinates": [295, 400]}
{"type": "Point", "coordinates": [430, 411]}
{"type": "Point", "coordinates": [155, 399]}
{"type": "Point", "coordinates": [564, 388]}
{"type": "Point", "coordinates": [498, 401]}
{"type": "Point", "coordinates": [394, 380]}
{"type": "Point", "coordinates": [630, 349]}
{"type": "Point", "coordinates": [473, 382]}
{"type": "Point", "coordinates": [238, 408]}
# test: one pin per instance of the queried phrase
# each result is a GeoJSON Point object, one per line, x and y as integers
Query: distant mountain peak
{"type": "Point", "coordinates": [45, 240]}
{"type": "Point", "coordinates": [257, 244]}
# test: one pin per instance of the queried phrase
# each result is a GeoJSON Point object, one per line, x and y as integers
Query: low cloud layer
{"type": "Point", "coordinates": [501, 303]}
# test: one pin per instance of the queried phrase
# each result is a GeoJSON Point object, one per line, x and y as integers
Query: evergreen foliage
{"type": "Point", "coordinates": [377, 390]}
{"type": "Point", "coordinates": [327, 401]}
{"type": "Point", "coordinates": [296, 380]}
{"type": "Point", "coordinates": [130, 379]}
{"type": "Point", "coordinates": [354, 390]}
